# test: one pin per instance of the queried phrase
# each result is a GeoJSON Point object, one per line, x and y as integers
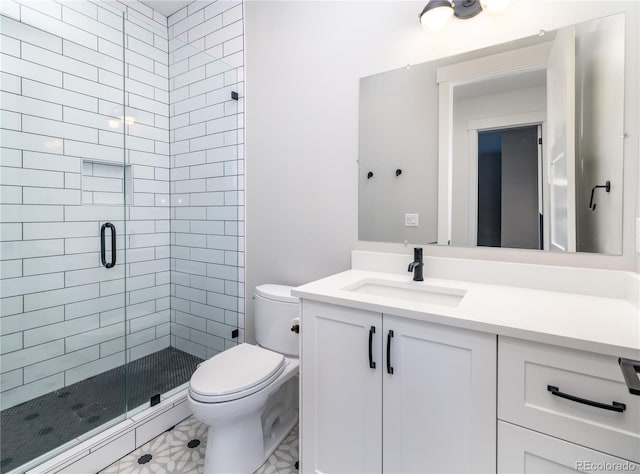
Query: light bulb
{"type": "Point", "coordinates": [494, 6]}
{"type": "Point", "coordinates": [436, 19]}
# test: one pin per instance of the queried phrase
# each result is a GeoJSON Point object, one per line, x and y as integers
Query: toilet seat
{"type": "Point", "coordinates": [235, 373]}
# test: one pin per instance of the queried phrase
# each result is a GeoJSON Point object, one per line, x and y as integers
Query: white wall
{"type": "Point", "coordinates": [304, 60]}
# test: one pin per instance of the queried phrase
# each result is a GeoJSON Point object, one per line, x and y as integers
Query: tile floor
{"type": "Point", "coordinates": [44, 423]}
{"type": "Point", "coordinates": [181, 450]}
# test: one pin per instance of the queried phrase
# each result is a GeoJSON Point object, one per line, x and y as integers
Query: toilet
{"type": "Point", "coordinates": [248, 394]}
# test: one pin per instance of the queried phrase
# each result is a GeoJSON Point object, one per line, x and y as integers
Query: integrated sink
{"type": "Point", "coordinates": [411, 291]}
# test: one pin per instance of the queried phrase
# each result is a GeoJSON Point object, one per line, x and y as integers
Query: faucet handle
{"type": "Point", "coordinates": [417, 264]}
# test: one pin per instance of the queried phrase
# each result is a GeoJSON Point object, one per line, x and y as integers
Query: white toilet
{"type": "Point", "coordinates": [248, 395]}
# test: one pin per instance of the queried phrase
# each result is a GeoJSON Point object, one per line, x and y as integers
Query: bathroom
{"type": "Point", "coordinates": [133, 113]}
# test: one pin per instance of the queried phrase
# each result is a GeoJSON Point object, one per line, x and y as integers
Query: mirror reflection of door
{"type": "Point", "coordinates": [509, 188]}
{"type": "Point", "coordinates": [561, 90]}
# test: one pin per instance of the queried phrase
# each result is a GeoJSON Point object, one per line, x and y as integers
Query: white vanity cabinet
{"type": "Point", "coordinates": [341, 397]}
{"type": "Point", "coordinates": [521, 450]}
{"type": "Point", "coordinates": [439, 404]}
{"type": "Point", "coordinates": [561, 409]}
{"type": "Point", "coordinates": [382, 393]}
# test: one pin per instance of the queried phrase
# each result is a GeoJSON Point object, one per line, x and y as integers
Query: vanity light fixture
{"type": "Point", "coordinates": [436, 13]}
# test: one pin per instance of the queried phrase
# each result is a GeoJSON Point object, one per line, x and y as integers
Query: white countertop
{"type": "Point", "coordinates": [592, 323]}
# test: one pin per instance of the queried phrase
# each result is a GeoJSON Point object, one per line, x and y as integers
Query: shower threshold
{"type": "Point", "coordinates": [40, 425]}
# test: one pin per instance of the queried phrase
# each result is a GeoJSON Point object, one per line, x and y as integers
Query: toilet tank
{"type": "Point", "coordinates": [275, 308]}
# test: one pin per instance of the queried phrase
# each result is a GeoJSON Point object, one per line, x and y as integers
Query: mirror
{"type": "Point", "coordinates": [519, 145]}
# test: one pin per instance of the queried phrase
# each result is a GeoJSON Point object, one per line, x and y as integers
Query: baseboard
{"type": "Point", "coordinates": [105, 448]}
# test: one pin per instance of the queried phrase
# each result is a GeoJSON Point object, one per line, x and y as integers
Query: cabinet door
{"type": "Point", "coordinates": [525, 451]}
{"type": "Point", "coordinates": [439, 410]}
{"type": "Point", "coordinates": [341, 398]}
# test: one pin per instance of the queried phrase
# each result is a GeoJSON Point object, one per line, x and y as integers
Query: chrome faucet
{"type": "Point", "coordinates": [416, 265]}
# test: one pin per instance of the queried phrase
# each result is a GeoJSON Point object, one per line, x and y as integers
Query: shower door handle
{"type": "Point", "coordinates": [103, 251]}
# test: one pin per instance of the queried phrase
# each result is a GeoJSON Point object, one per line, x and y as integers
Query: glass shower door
{"type": "Point", "coordinates": [185, 223]}
{"type": "Point", "coordinates": [62, 227]}
{"type": "Point", "coordinates": [111, 145]}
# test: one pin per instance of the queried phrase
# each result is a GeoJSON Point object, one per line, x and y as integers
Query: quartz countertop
{"type": "Point", "coordinates": [598, 324]}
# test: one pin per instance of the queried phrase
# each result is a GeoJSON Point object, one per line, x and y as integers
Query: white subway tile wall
{"type": "Point", "coordinates": [65, 164]}
{"type": "Point", "coordinates": [207, 156]}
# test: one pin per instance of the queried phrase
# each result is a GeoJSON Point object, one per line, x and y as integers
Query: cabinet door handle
{"type": "Point", "coordinates": [615, 406]}
{"type": "Point", "coordinates": [372, 331]}
{"type": "Point", "coordinates": [389, 367]}
{"type": "Point", "coordinates": [103, 255]}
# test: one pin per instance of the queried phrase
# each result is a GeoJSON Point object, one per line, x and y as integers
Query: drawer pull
{"type": "Point", "coordinates": [630, 370]}
{"type": "Point", "coordinates": [615, 406]}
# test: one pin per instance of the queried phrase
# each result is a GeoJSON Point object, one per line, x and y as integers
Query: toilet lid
{"type": "Point", "coordinates": [277, 292]}
{"type": "Point", "coordinates": [235, 371]}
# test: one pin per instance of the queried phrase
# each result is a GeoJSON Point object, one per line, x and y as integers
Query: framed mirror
{"type": "Point", "coordinates": [519, 145]}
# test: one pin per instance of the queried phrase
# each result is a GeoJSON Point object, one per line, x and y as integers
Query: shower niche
{"type": "Point", "coordinates": [106, 184]}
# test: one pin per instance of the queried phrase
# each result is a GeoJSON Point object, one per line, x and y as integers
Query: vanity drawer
{"type": "Point", "coordinates": [525, 451]}
{"type": "Point", "coordinates": [527, 374]}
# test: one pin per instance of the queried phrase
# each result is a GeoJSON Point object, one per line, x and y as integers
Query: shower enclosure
{"type": "Point", "coordinates": [120, 214]}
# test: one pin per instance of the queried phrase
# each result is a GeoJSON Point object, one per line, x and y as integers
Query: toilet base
{"type": "Point", "coordinates": [243, 433]}
{"type": "Point", "coordinates": [235, 448]}
{"type": "Point", "coordinates": [279, 433]}
{"type": "Point", "coordinates": [240, 448]}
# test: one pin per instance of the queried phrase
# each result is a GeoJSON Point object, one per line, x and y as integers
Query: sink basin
{"type": "Point", "coordinates": [412, 291]}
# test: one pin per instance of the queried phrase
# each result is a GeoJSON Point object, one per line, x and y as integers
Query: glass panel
{"type": "Point", "coordinates": [87, 144]}
{"type": "Point", "coordinates": [186, 221]}
{"type": "Point", "coordinates": [150, 367]}
{"type": "Point", "coordinates": [63, 179]}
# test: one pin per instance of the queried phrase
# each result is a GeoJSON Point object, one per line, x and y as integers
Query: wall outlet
{"type": "Point", "coordinates": [411, 220]}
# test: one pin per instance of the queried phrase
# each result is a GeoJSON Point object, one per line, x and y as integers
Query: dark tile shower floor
{"type": "Point", "coordinates": [40, 425]}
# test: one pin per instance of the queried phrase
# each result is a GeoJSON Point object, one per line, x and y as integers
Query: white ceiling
{"type": "Point", "coordinates": [167, 7]}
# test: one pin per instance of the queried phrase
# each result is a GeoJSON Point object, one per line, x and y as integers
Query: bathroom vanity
{"type": "Point", "coordinates": [483, 367]}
